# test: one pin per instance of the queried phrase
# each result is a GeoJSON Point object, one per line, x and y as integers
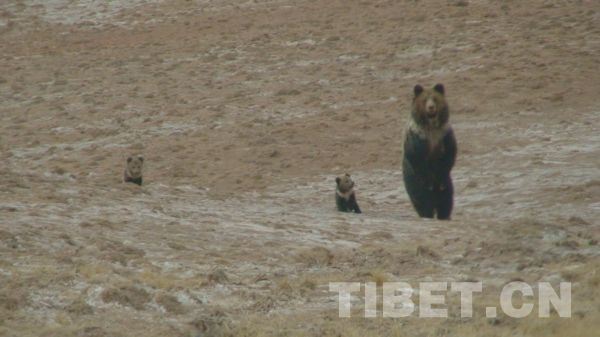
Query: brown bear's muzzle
{"type": "Point", "coordinates": [430, 109]}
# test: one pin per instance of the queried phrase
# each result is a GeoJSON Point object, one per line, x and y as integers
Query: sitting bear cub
{"type": "Point", "coordinates": [133, 170]}
{"type": "Point", "coordinates": [429, 154]}
{"type": "Point", "coordinates": [345, 198]}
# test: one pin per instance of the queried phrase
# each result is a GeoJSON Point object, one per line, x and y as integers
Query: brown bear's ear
{"type": "Point", "coordinates": [439, 88]}
{"type": "Point", "coordinates": [141, 158]}
{"type": "Point", "coordinates": [337, 181]}
{"type": "Point", "coordinates": [129, 159]}
{"type": "Point", "coordinates": [418, 90]}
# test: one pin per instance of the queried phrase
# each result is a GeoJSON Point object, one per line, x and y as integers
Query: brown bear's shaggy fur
{"type": "Point", "coordinates": [429, 154]}
{"type": "Point", "coordinates": [133, 170]}
{"type": "Point", "coordinates": [345, 198]}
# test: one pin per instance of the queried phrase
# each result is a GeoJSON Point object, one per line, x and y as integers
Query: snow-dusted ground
{"type": "Point", "coordinates": [245, 111]}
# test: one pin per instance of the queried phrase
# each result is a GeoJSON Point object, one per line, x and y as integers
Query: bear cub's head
{"type": "Point", "coordinates": [429, 108]}
{"type": "Point", "coordinates": [345, 184]}
{"type": "Point", "coordinates": [134, 166]}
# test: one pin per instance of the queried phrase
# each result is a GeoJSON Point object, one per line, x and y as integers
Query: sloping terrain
{"type": "Point", "coordinates": [245, 112]}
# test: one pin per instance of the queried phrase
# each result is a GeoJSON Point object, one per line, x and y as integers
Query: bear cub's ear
{"type": "Point", "coordinates": [129, 159]}
{"type": "Point", "coordinates": [418, 90]}
{"type": "Point", "coordinates": [337, 181]}
{"type": "Point", "coordinates": [141, 158]}
{"type": "Point", "coordinates": [439, 88]}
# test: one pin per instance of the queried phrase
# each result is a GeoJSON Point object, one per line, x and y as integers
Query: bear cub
{"type": "Point", "coordinates": [133, 170]}
{"type": "Point", "coordinates": [429, 154]}
{"type": "Point", "coordinates": [345, 198]}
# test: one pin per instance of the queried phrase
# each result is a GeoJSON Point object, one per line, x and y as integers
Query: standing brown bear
{"type": "Point", "coordinates": [429, 154]}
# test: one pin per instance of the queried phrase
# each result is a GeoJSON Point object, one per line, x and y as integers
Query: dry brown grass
{"type": "Point", "coordinates": [379, 277]}
{"type": "Point", "coordinates": [244, 110]}
{"type": "Point", "coordinates": [315, 256]}
{"type": "Point", "coordinates": [126, 295]}
{"type": "Point", "coordinates": [168, 281]}
{"type": "Point", "coordinates": [170, 303]}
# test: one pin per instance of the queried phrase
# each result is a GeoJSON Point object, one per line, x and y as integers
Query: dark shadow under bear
{"type": "Point", "coordinates": [429, 154]}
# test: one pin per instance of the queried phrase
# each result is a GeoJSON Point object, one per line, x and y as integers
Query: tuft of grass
{"type": "Point", "coordinates": [315, 257]}
{"type": "Point", "coordinates": [217, 276]}
{"type": "Point", "coordinates": [94, 273]}
{"type": "Point", "coordinates": [170, 303]}
{"type": "Point", "coordinates": [126, 295]}
{"type": "Point", "coordinates": [379, 277]}
{"type": "Point", "coordinates": [79, 307]}
{"type": "Point", "coordinates": [162, 281]}
{"type": "Point", "coordinates": [308, 284]}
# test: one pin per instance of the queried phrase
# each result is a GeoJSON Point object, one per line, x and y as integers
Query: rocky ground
{"type": "Point", "coordinates": [245, 112]}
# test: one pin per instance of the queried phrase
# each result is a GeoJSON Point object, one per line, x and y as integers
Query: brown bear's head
{"type": "Point", "coordinates": [134, 166]}
{"type": "Point", "coordinates": [344, 183]}
{"type": "Point", "coordinates": [429, 108]}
